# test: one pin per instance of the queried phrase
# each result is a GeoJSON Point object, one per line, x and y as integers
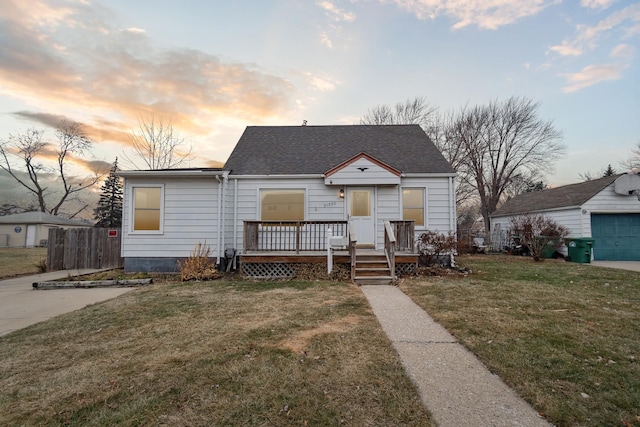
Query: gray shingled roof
{"type": "Point", "coordinates": [40, 218]}
{"type": "Point", "coordinates": [559, 197]}
{"type": "Point", "coordinates": [281, 150]}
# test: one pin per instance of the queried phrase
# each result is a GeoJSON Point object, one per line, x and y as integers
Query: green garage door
{"type": "Point", "coordinates": [616, 237]}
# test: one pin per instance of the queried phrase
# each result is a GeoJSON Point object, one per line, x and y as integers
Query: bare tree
{"type": "Point", "coordinates": [501, 141]}
{"type": "Point", "coordinates": [29, 147]}
{"type": "Point", "coordinates": [435, 124]}
{"type": "Point", "coordinates": [416, 111]}
{"type": "Point", "coordinates": [156, 145]}
{"type": "Point", "coordinates": [633, 163]}
{"type": "Point", "coordinates": [608, 171]}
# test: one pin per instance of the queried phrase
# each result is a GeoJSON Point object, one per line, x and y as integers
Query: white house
{"type": "Point", "coordinates": [309, 178]}
{"type": "Point", "coordinates": [605, 209]}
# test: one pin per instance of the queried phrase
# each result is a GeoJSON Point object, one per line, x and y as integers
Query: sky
{"type": "Point", "coordinates": [214, 67]}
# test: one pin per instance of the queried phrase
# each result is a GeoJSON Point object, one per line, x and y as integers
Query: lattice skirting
{"type": "Point", "coordinates": [278, 270]}
{"type": "Point", "coordinates": [405, 269]}
{"type": "Point", "coordinates": [268, 270]}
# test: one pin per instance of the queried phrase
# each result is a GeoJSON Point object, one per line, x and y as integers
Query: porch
{"type": "Point", "coordinates": [275, 249]}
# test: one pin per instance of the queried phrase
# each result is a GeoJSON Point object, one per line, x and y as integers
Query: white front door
{"type": "Point", "coordinates": [361, 205]}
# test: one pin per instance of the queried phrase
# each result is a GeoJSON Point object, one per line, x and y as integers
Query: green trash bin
{"type": "Point", "coordinates": [580, 249]}
{"type": "Point", "coordinates": [549, 249]}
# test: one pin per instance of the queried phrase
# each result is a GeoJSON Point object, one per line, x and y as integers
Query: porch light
{"type": "Point", "coordinates": [342, 193]}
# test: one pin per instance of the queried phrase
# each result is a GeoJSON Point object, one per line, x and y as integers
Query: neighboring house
{"type": "Point", "coordinates": [309, 178]}
{"type": "Point", "coordinates": [29, 229]}
{"type": "Point", "coordinates": [605, 209]}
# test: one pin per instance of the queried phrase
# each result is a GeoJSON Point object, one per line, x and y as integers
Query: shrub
{"type": "Point", "coordinates": [537, 231]}
{"type": "Point", "coordinates": [433, 247]}
{"type": "Point", "coordinates": [198, 266]}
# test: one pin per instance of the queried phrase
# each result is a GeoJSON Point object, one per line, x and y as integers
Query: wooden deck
{"type": "Point", "coordinates": [282, 264]}
{"type": "Point", "coordinates": [340, 256]}
{"type": "Point", "coordinates": [277, 249]}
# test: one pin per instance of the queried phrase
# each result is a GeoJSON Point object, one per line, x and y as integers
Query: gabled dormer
{"type": "Point", "coordinates": [362, 169]}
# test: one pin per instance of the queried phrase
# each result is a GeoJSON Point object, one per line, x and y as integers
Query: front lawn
{"type": "Point", "coordinates": [213, 353]}
{"type": "Point", "coordinates": [566, 336]}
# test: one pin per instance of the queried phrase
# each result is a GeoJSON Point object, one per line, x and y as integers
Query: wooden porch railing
{"type": "Point", "coordinates": [266, 236]}
{"type": "Point", "coordinates": [404, 232]}
{"type": "Point", "coordinates": [390, 247]}
{"type": "Point", "coordinates": [352, 251]}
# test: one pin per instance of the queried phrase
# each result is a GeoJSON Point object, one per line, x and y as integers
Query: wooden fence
{"type": "Point", "coordinates": [75, 248]}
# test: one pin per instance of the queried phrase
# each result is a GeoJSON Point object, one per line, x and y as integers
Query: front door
{"type": "Point", "coordinates": [360, 201]}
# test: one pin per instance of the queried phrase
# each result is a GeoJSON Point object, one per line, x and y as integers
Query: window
{"type": "Point", "coordinates": [147, 209]}
{"type": "Point", "coordinates": [413, 205]}
{"type": "Point", "coordinates": [281, 205]}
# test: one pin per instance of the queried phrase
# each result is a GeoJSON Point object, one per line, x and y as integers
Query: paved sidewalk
{"type": "Point", "coordinates": [621, 265]}
{"type": "Point", "coordinates": [21, 306]}
{"type": "Point", "coordinates": [455, 386]}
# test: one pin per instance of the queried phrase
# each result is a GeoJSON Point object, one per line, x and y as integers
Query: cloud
{"type": "Point", "coordinates": [325, 40]}
{"type": "Point", "coordinates": [624, 51]}
{"type": "Point", "coordinates": [587, 37]}
{"type": "Point", "coordinates": [596, 4]}
{"type": "Point", "coordinates": [321, 83]}
{"type": "Point", "coordinates": [334, 29]}
{"type": "Point", "coordinates": [102, 130]}
{"type": "Point", "coordinates": [591, 75]}
{"type": "Point", "coordinates": [485, 14]}
{"type": "Point", "coordinates": [134, 30]}
{"type": "Point", "coordinates": [337, 14]}
{"type": "Point", "coordinates": [66, 57]}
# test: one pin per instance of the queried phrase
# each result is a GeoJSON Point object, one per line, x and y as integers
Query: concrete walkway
{"type": "Point", "coordinates": [21, 306]}
{"type": "Point", "coordinates": [454, 385]}
{"type": "Point", "coordinates": [621, 265]}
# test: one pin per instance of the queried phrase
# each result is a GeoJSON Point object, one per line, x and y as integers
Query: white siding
{"type": "Point", "coordinates": [190, 216]}
{"type": "Point", "coordinates": [191, 210]}
{"type": "Point", "coordinates": [321, 202]}
{"type": "Point", "coordinates": [578, 219]}
{"type": "Point", "coordinates": [608, 201]}
{"type": "Point", "coordinates": [570, 218]}
{"type": "Point", "coordinates": [389, 209]}
{"type": "Point", "coordinates": [439, 215]}
{"type": "Point", "coordinates": [371, 175]}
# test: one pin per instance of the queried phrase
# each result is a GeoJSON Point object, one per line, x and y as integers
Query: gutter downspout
{"type": "Point", "coordinates": [223, 238]}
{"type": "Point", "coordinates": [235, 216]}
{"type": "Point", "coordinates": [453, 214]}
{"type": "Point", "coordinates": [452, 207]}
{"type": "Point", "coordinates": [220, 189]}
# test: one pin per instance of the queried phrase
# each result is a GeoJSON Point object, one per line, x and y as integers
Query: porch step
{"type": "Point", "coordinates": [373, 280]}
{"type": "Point", "coordinates": [372, 269]}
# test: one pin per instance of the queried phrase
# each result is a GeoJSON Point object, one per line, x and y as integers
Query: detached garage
{"type": "Point", "coordinates": [31, 229]}
{"type": "Point", "coordinates": [605, 209]}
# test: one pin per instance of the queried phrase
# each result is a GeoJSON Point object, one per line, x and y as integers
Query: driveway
{"type": "Point", "coordinates": [21, 306]}
{"type": "Point", "coordinates": [621, 265]}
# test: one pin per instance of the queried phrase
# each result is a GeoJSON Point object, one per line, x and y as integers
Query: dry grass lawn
{"type": "Point", "coordinates": [21, 261]}
{"type": "Point", "coordinates": [566, 336]}
{"type": "Point", "coordinates": [205, 354]}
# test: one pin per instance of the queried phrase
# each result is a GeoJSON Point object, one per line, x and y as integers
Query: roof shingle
{"type": "Point", "coordinates": [283, 150]}
{"type": "Point", "coordinates": [559, 197]}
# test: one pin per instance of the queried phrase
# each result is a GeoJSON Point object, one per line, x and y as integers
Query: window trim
{"type": "Point", "coordinates": [305, 201]}
{"type": "Point", "coordinates": [132, 230]}
{"type": "Point", "coordinates": [424, 205]}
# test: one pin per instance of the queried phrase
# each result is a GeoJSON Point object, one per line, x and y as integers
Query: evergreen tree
{"type": "Point", "coordinates": [609, 171]}
{"type": "Point", "coordinates": [109, 210]}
